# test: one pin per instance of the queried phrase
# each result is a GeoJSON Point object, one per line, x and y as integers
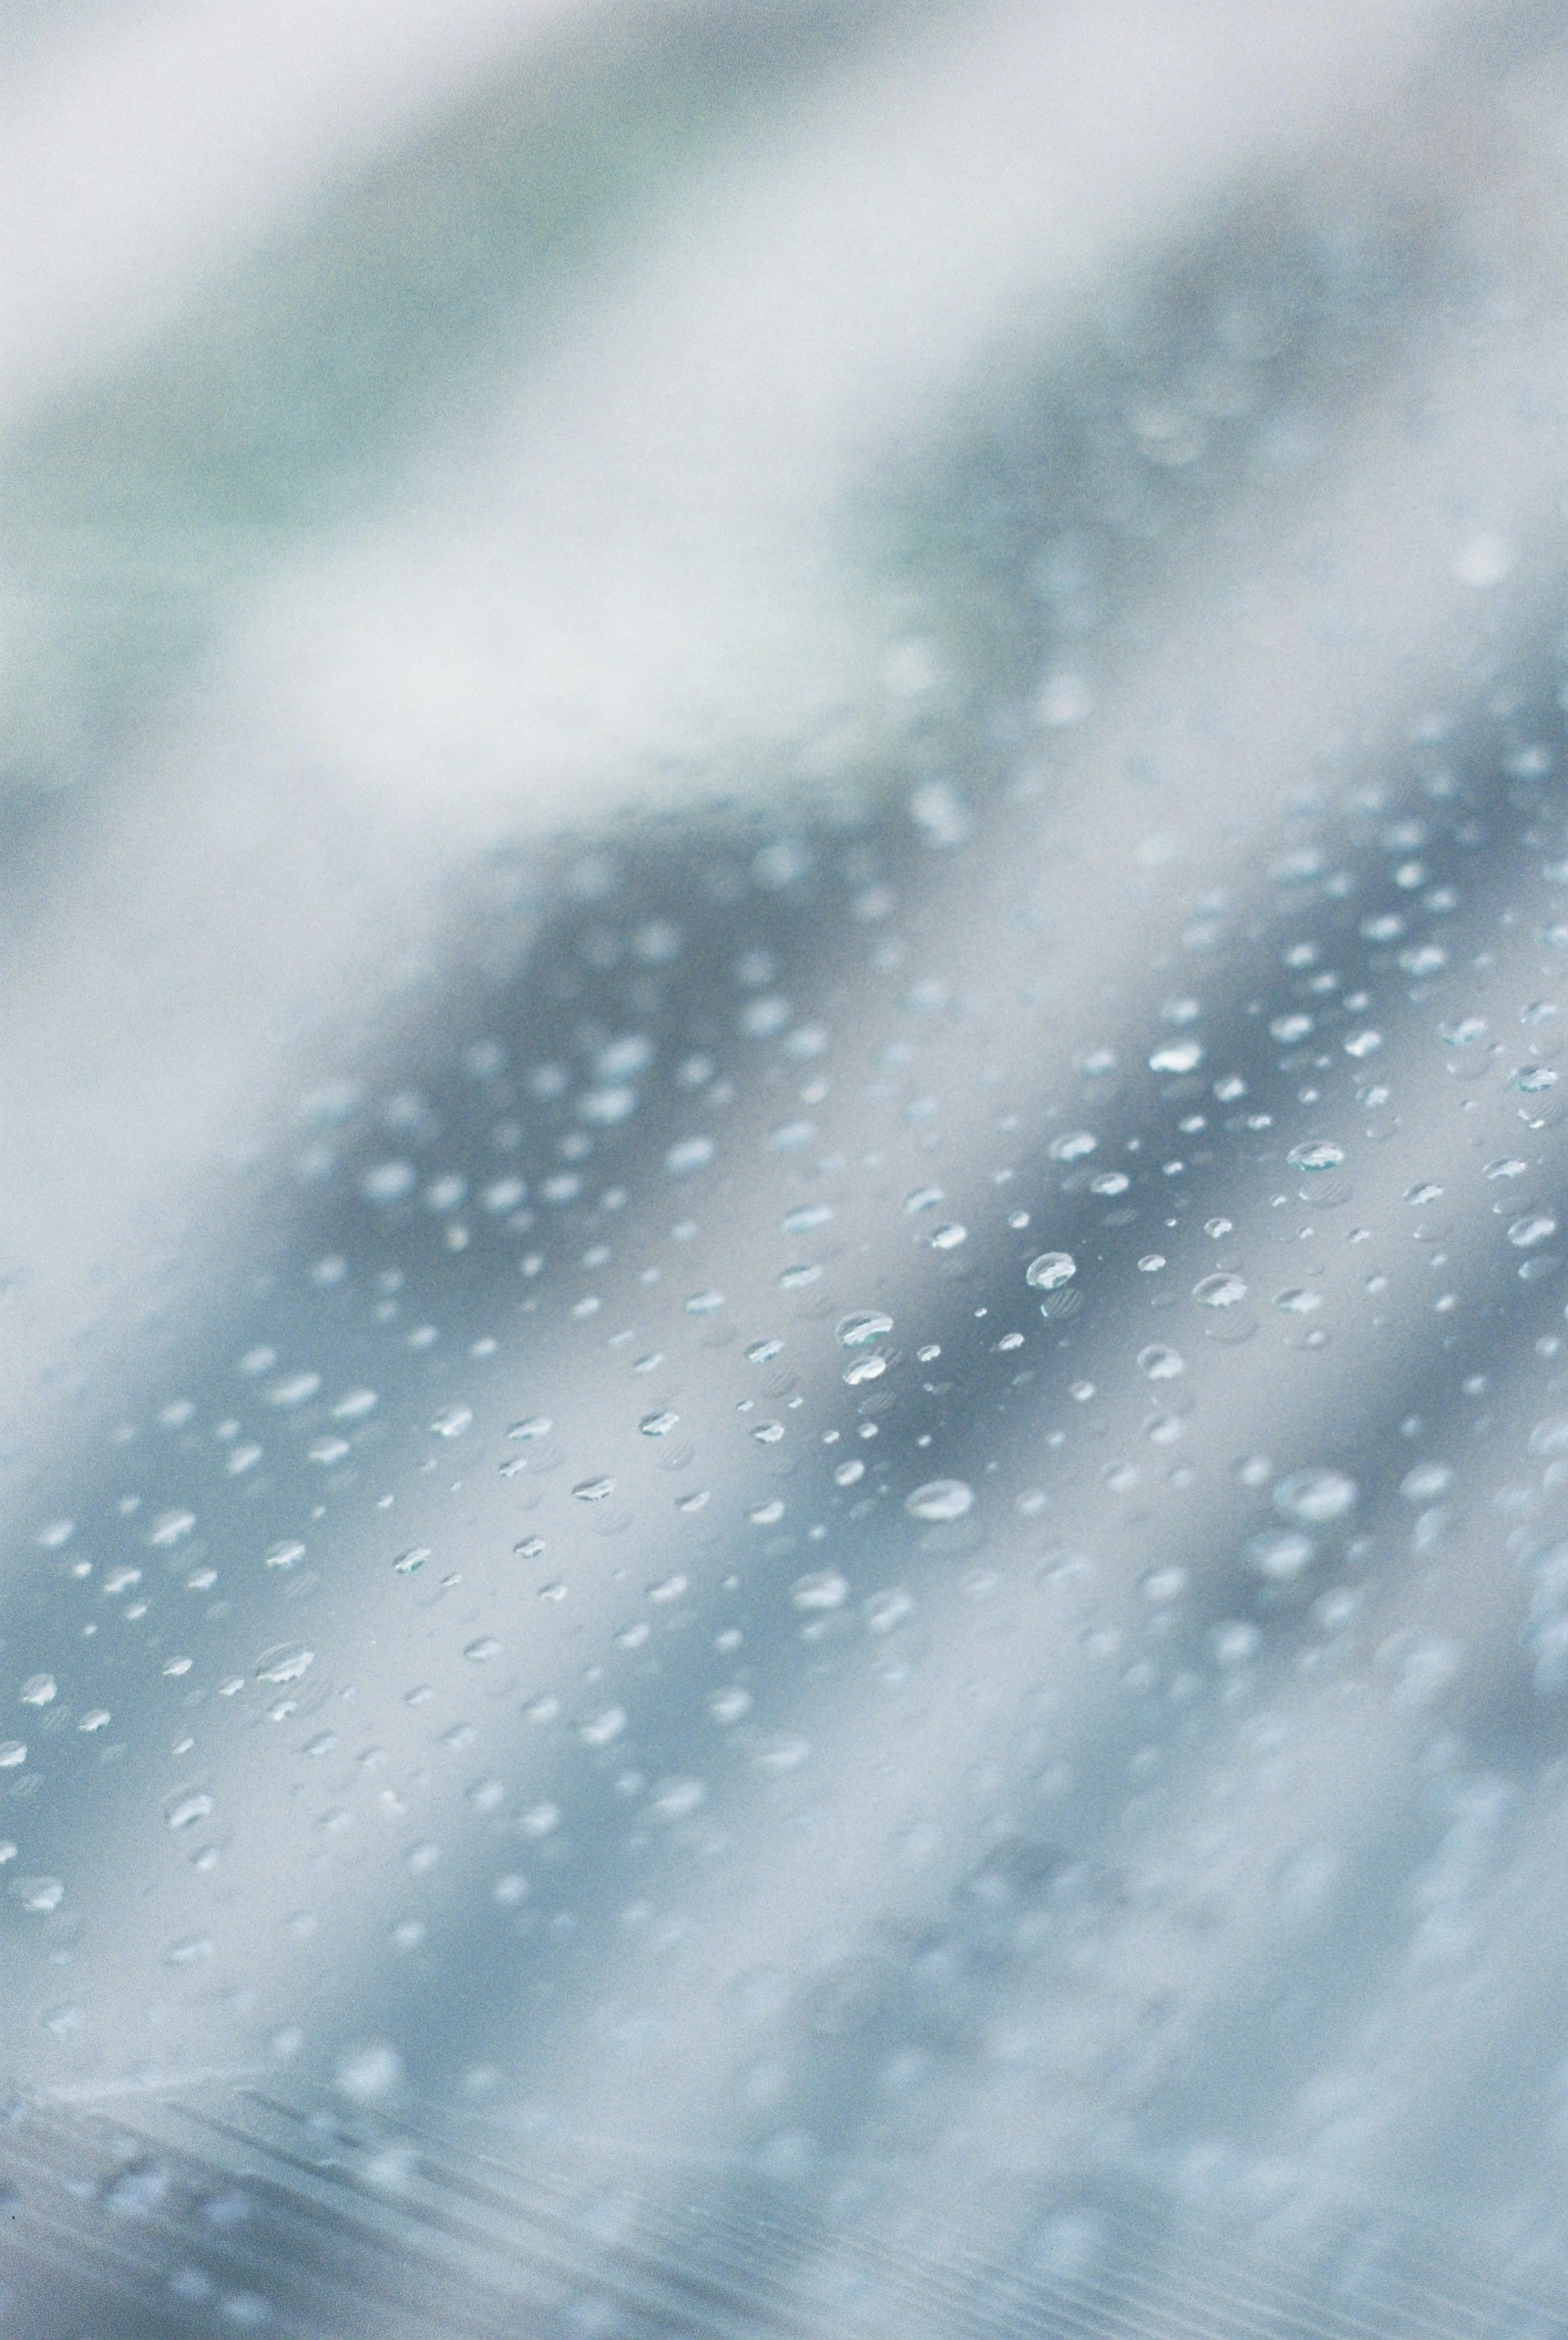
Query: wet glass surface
{"type": "Point", "coordinates": [783, 1423]}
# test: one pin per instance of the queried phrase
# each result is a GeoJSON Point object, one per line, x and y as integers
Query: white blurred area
{"type": "Point", "coordinates": [627, 569]}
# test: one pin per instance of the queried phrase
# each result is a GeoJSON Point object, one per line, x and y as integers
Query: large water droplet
{"type": "Point", "coordinates": [865, 1324]}
{"type": "Point", "coordinates": [1316, 1153]}
{"type": "Point", "coordinates": [1315, 1497]}
{"type": "Point", "coordinates": [940, 1499]}
{"type": "Point", "coordinates": [1222, 1291]}
{"type": "Point", "coordinates": [285, 1663]}
{"type": "Point", "coordinates": [1051, 1269]}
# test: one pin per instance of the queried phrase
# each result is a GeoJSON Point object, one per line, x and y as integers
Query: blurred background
{"type": "Point", "coordinates": [783, 1434]}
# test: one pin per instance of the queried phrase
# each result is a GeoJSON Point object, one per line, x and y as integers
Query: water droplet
{"type": "Point", "coordinates": [824, 1589]}
{"type": "Point", "coordinates": [849, 1474]}
{"type": "Point", "coordinates": [1222, 1291]}
{"type": "Point", "coordinates": [601, 1729]}
{"type": "Point", "coordinates": [286, 1555]}
{"type": "Point", "coordinates": [949, 1237]}
{"type": "Point", "coordinates": [388, 1182]}
{"type": "Point", "coordinates": [658, 1425]}
{"type": "Point", "coordinates": [940, 1499]}
{"type": "Point", "coordinates": [371, 2074]}
{"type": "Point", "coordinates": [1316, 1153]}
{"type": "Point", "coordinates": [1425, 1482]}
{"type": "Point", "coordinates": [1282, 1557]}
{"type": "Point", "coordinates": [1158, 1364]}
{"type": "Point", "coordinates": [1165, 1583]}
{"type": "Point", "coordinates": [865, 1325]}
{"type": "Point", "coordinates": [1315, 1497]}
{"type": "Point", "coordinates": [864, 1369]}
{"type": "Point", "coordinates": [1050, 1270]}
{"type": "Point", "coordinates": [285, 1663]}
{"type": "Point", "coordinates": [480, 1652]}
{"type": "Point", "coordinates": [1534, 1227]}
{"type": "Point", "coordinates": [593, 1491]}
{"type": "Point", "coordinates": [1072, 1145]}
{"type": "Point", "coordinates": [39, 1894]}
{"type": "Point", "coordinates": [1177, 1056]}
{"type": "Point", "coordinates": [413, 1558]}
{"type": "Point", "coordinates": [672, 1800]}
{"type": "Point", "coordinates": [1298, 1300]}
{"type": "Point", "coordinates": [691, 1155]}
{"type": "Point", "coordinates": [185, 1810]}
{"type": "Point", "coordinates": [453, 1421]}
{"type": "Point", "coordinates": [39, 1690]}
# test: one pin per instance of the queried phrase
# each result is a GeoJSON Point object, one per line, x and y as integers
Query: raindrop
{"type": "Point", "coordinates": [658, 1425]}
{"type": "Point", "coordinates": [182, 1811]}
{"type": "Point", "coordinates": [1534, 1227]}
{"type": "Point", "coordinates": [593, 1491]}
{"type": "Point", "coordinates": [39, 1894]}
{"type": "Point", "coordinates": [1051, 1269]}
{"type": "Point", "coordinates": [1315, 1497]}
{"type": "Point", "coordinates": [1316, 1153]}
{"type": "Point", "coordinates": [1222, 1291]}
{"type": "Point", "coordinates": [1158, 1364]}
{"type": "Point", "coordinates": [949, 1237]}
{"type": "Point", "coordinates": [1281, 1558]}
{"type": "Point", "coordinates": [940, 1499]}
{"type": "Point", "coordinates": [285, 1663]}
{"type": "Point", "coordinates": [824, 1589]}
{"type": "Point", "coordinates": [865, 1325]}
